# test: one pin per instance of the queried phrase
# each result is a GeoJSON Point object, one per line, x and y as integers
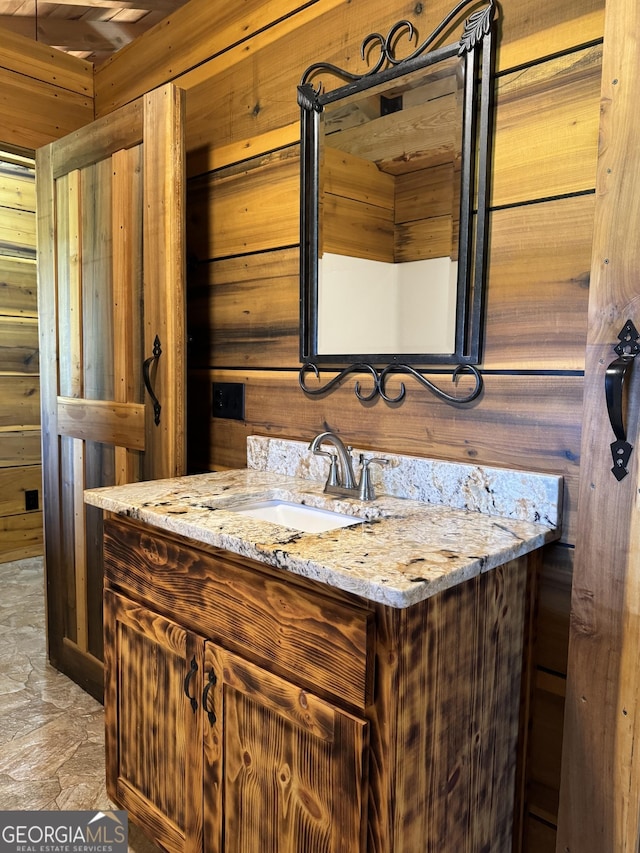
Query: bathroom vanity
{"type": "Point", "coordinates": [358, 689]}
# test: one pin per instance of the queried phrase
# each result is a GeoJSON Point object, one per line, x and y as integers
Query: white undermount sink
{"type": "Point", "coordinates": [306, 519]}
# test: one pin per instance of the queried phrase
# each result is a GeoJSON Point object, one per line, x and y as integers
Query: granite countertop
{"type": "Point", "coordinates": [402, 552]}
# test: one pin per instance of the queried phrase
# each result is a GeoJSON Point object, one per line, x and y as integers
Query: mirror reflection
{"type": "Point", "coordinates": [389, 218]}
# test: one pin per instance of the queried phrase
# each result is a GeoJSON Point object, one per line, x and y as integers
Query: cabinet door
{"type": "Point", "coordinates": [153, 687]}
{"type": "Point", "coordinates": [285, 771]}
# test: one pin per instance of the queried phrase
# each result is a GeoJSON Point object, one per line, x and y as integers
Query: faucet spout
{"type": "Point", "coordinates": [347, 477]}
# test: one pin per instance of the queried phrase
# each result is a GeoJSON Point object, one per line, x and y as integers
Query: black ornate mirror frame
{"type": "Point", "coordinates": [476, 49]}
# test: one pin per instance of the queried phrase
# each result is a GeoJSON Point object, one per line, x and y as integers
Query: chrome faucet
{"type": "Point", "coordinates": [343, 481]}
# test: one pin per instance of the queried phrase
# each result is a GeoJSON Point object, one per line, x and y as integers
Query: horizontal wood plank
{"type": "Point", "coordinates": [538, 285]}
{"type": "Point", "coordinates": [18, 233]}
{"type": "Point", "coordinates": [14, 482]}
{"type": "Point", "coordinates": [426, 238]}
{"type": "Point", "coordinates": [253, 305]}
{"type": "Point", "coordinates": [207, 159]}
{"type": "Point", "coordinates": [184, 40]}
{"type": "Point", "coordinates": [18, 286]}
{"type": "Point", "coordinates": [356, 229]}
{"type": "Point", "coordinates": [19, 401]}
{"type": "Point", "coordinates": [553, 28]}
{"type": "Point", "coordinates": [253, 209]}
{"type": "Point", "coordinates": [34, 113]}
{"type": "Point", "coordinates": [348, 176]}
{"type": "Point", "coordinates": [17, 187]}
{"type": "Point", "coordinates": [546, 137]}
{"type": "Point", "coordinates": [45, 64]}
{"type": "Point", "coordinates": [19, 447]}
{"type": "Point", "coordinates": [20, 536]}
{"type": "Point", "coordinates": [93, 142]}
{"type": "Point", "coordinates": [110, 422]}
{"type": "Point", "coordinates": [19, 346]}
{"type": "Point", "coordinates": [426, 193]}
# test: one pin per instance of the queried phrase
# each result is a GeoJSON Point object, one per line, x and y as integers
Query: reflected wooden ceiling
{"type": "Point", "coordinates": [89, 29]}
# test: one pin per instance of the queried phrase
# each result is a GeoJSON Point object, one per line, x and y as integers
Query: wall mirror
{"type": "Point", "coordinates": [394, 206]}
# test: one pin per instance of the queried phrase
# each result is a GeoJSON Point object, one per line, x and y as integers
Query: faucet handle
{"type": "Point", "coordinates": [332, 479]}
{"type": "Point", "coordinates": [367, 492]}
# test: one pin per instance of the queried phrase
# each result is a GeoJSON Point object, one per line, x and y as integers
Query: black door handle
{"type": "Point", "coordinates": [146, 375]}
{"type": "Point", "coordinates": [193, 668]}
{"type": "Point", "coordinates": [614, 383]}
{"type": "Point", "coordinates": [211, 683]}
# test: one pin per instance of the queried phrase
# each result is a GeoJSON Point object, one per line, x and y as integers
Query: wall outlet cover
{"type": "Point", "coordinates": [228, 400]}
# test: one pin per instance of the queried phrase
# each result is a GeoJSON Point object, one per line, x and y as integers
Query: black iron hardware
{"type": "Point", "coordinates": [616, 374]}
{"type": "Point", "coordinates": [146, 373]}
{"type": "Point", "coordinates": [205, 696]}
{"type": "Point", "coordinates": [193, 668]}
{"type": "Point", "coordinates": [380, 377]}
{"type": "Point", "coordinates": [474, 55]}
{"type": "Point", "coordinates": [476, 27]}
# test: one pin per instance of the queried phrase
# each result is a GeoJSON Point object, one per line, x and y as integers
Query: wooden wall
{"type": "Point", "coordinates": [20, 471]}
{"type": "Point", "coordinates": [240, 66]}
{"type": "Point", "coordinates": [45, 94]}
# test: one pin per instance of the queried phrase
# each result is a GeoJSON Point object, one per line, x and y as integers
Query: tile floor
{"type": "Point", "coordinates": [51, 731]}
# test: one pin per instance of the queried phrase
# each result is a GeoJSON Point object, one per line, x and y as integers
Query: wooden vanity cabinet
{"type": "Point", "coordinates": [208, 746]}
{"type": "Point", "coordinates": [251, 710]}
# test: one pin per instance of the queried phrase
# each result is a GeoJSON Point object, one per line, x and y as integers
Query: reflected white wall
{"type": "Point", "coordinates": [375, 307]}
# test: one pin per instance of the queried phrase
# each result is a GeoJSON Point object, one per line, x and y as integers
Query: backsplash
{"type": "Point", "coordinates": [522, 495]}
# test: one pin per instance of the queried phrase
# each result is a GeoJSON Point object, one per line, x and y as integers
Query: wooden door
{"type": "Point", "coordinates": [285, 771]}
{"type": "Point", "coordinates": [110, 201]}
{"type": "Point", "coordinates": [153, 687]}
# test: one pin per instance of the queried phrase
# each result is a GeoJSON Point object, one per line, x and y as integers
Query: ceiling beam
{"type": "Point", "coordinates": [74, 35]}
{"type": "Point", "coordinates": [144, 5]}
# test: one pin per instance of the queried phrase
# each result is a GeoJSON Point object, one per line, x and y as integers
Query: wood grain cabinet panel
{"type": "Point", "coordinates": [285, 771]}
{"type": "Point", "coordinates": [152, 732]}
{"type": "Point", "coordinates": [231, 727]}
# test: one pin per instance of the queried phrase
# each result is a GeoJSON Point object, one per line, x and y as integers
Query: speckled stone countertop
{"type": "Point", "coordinates": [405, 549]}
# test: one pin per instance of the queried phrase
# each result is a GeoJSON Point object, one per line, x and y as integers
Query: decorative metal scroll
{"type": "Point", "coordinates": [379, 378]}
{"type": "Point", "coordinates": [477, 25]}
{"type": "Point", "coordinates": [627, 349]}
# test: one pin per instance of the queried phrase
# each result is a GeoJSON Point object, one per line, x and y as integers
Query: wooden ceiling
{"type": "Point", "coordinates": [89, 29]}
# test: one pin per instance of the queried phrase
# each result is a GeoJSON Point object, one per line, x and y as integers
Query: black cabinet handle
{"type": "Point", "coordinates": [146, 375]}
{"type": "Point", "coordinates": [211, 683]}
{"type": "Point", "coordinates": [193, 668]}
